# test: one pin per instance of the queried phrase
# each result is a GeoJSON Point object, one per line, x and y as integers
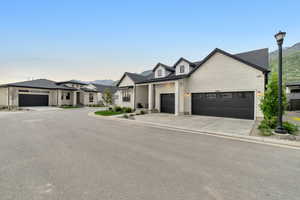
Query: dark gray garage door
{"type": "Point", "coordinates": [33, 100]}
{"type": "Point", "coordinates": [167, 103]}
{"type": "Point", "coordinates": [224, 104]}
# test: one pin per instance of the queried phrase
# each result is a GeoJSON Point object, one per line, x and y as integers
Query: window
{"type": "Point", "coordinates": [62, 96]}
{"type": "Point", "coordinates": [181, 69]}
{"type": "Point", "coordinates": [226, 95]}
{"type": "Point", "coordinates": [211, 96]}
{"type": "Point", "coordinates": [159, 72]}
{"type": "Point", "coordinates": [125, 95]}
{"type": "Point", "coordinates": [91, 97]}
{"type": "Point", "coordinates": [68, 96]}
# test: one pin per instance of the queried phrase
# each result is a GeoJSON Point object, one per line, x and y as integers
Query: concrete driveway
{"type": "Point", "coordinates": [68, 156]}
{"type": "Point", "coordinates": [41, 108]}
{"type": "Point", "coordinates": [201, 123]}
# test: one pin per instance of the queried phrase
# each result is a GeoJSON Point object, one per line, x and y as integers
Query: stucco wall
{"type": "Point", "coordinates": [142, 95]}
{"type": "Point", "coordinates": [120, 102]}
{"type": "Point", "coordinates": [86, 97]}
{"type": "Point", "coordinates": [126, 82]}
{"type": "Point", "coordinates": [3, 97]}
{"type": "Point", "coordinates": [222, 73]}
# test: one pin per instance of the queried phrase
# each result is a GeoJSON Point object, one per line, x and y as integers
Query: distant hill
{"type": "Point", "coordinates": [291, 62]}
{"type": "Point", "coordinates": [104, 82]}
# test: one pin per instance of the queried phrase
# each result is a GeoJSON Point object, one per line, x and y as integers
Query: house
{"type": "Point", "coordinates": [43, 92]}
{"type": "Point", "coordinates": [222, 84]}
{"type": "Point", "coordinates": [293, 95]}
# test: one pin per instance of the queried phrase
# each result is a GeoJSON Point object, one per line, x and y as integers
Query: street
{"type": "Point", "coordinates": [69, 155]}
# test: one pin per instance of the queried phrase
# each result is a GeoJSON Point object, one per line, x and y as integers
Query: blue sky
{"type": "Point", "coordinates": [91, 40]}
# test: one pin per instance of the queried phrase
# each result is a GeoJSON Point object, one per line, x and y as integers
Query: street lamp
{"type": "Point", "coordinates": [279, 38]}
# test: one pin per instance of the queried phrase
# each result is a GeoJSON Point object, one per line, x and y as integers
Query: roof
{"type": "Point", "coordinates": [39, 83]}
{"type": "Point", "coordinates": [258, 59]}
{"type": "Point", "coordinates": [134, 77]}
{"type": "Point", "coordinates": [238, 58]}
{"type": "Point", "coordinates": [170, 69]}
{"type": "Point", "coordinates": [183, 59]}
{"type": "Point", "coordinates": [72, 82]}
{"type": "Point", "coordinates": [293, 84]}
{"type": "Point", "coordinates": [101, 88]}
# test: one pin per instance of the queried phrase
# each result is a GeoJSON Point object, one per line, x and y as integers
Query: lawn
{"type": "Point", "coordinates": [108, 113]}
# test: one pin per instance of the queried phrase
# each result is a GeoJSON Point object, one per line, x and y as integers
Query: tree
{"type": "Point", "coordinates": [269, 103]}
{"type": "Point", "coordinates": [107, 97]}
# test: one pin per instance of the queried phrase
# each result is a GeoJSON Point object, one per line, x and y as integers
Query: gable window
{"type": "Point", "coordinates": [181, 69]}
{"type": "Point", "coordinates": [68, 96]}
{"type": "Point", "coordinates": [125, 96]}
{"type": "Point", "coordinates": [159, 72]}
{"type": "Point", "coordinates": [91, 97]}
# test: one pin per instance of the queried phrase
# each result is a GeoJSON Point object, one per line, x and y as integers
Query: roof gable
{"type": "Point", "coordinates": [183, 59]}
{"type": "Point", "coordinates": [264, 70]}
{"type": "Point", "coordinates": [168, 68]}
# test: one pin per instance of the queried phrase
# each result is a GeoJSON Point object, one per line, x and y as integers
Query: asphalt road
{"type": "Point", "coordinates": [61, 155]}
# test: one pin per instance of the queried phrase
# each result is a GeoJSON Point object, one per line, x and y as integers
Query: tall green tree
{"type": "Point", "coordinates": [269, 103]}
{"type": "Point", "coordinates": [107, 97]}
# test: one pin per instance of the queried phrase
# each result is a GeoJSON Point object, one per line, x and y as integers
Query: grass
{"type": "Point", "coordinates": [108, 113]}
{"type": "Point", "coordinates": [69, 107]}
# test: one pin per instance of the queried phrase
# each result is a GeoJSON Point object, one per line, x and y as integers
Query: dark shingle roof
{"type": "Point", "coordinates": [167, 78]}
{"type": "Point", "coordinates": [101, 88]}
{"type": "Point", "coordinates": [38, 83]}
{"type": "Point", "coordinates": [170, 69]}
{"type": "Point", "coordinates": [259, 57]}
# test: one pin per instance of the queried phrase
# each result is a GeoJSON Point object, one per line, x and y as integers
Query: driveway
{"type": "Point", "coordinates": [201, 123]}
{"type": "Point", "coordinates": [68, 155]}
{"type": "Point", "coordinates": [42, 108]}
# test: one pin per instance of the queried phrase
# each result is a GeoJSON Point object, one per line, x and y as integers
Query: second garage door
{"type": "Point", "coordinates": [167, 103]}
{"type": "Point", "coordinates": [224, 104]}
{"type": "Point", "coordinates": [33, 100]}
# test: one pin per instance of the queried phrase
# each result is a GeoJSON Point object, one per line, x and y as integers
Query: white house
{"type": "Point", "coordinates": [222, 84]}
{"type": "Point", "coordinates": [43, 92]}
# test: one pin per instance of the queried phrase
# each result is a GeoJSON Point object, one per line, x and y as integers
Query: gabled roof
{"type": "Point", "coordinates": [183, 59]}
{"type": "Point", "coordinates": [259, 57]}
{"type": "Point", "coordinates": [72, 82]}
{"type": "Point", "coordinates": [38, 83]}
{"type": "Point", "coordinates": [101, 88]}
{"type": "Point", "coordinates": [133, 76]}
{"type": "Point", "coordinates": [238, 58]}
{"type": "Point", "coordinates": [170, 69]}
{"type": "Point", "coordinates": [167, 78]}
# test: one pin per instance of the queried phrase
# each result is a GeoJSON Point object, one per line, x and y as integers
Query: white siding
{"type": "Point", "coordinates": [126, 82]}
{"type": "Point", "coordinates": [163, 74]}
{"type": "Point", "coordinates": [186, 67]}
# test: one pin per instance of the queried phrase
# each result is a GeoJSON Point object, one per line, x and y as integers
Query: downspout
{"type": "Point", "coordinates": [8, 98]}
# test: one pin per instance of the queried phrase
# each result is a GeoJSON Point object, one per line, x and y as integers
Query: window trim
{"type": "Point", "coordinates": [181, 69]}
{"type": "Point", "coordinates": [91, 97]}
{"type": "Point", "coordinates": [159, 72]}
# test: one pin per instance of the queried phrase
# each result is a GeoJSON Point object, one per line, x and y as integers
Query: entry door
{"type": "Point", "coordinates": [167, 103]}
{"type": "Point", "coordinates": [224, 104]}
{"type": "Point", "coordinates": [33, 100]}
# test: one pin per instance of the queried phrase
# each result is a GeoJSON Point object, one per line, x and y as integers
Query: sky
{"type": "Point", "coordinates": [95, 40]}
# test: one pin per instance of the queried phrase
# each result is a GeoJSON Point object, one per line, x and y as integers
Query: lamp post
{"type": "Point", "coordinates": [279, 38]}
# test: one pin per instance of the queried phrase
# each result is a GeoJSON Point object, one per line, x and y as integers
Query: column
{"type": "Point", "coordinates": [59, 93]}
{"type": "Point", "coordinates": [74, 99]}
{"type": "Point", "coordinates": [177, 97]}
{"type": "Point", "coordinates": [150, 97]}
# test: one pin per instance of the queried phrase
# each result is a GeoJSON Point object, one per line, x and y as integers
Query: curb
{"type": "Point", "coordinates": [253, 139]}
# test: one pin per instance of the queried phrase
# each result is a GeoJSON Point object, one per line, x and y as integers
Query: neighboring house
{"type": "Point", "coordinates": [222, 84]}
{"type": "Point", "coordinates": [293, 95]}
{"type": "Point", "coordinates": [43, 92]}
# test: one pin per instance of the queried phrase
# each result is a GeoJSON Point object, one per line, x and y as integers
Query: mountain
{"type": "Point", "coordinates": [104, 82]}
{"type": "Point", "coordinates": [290, 63]}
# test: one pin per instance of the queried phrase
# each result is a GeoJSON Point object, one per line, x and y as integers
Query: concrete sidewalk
{"type": "Point", "coordinates": [201, 123]}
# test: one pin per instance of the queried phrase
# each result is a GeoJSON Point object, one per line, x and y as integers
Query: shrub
{"type": "Point", "coordinates": [117, 109]}
{"type": "Point", "coordinates": [125, 116]}
{"type": "Point", "coordinates": [264, 128]}
{"type": "Point", "coordinates": [142, 112]}
{"type": "Point", "coordinates": [291, 128]}
{"type": "Point", "coordinates": [110, 108]}
{"type": "Point", "coordinates": [127, 110]}
{"type": "Point", "coordinates": [139, 105]}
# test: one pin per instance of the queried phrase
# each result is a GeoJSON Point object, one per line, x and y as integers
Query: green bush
{"type": "Point", "coordinates": [125, 116]}
{"type": "Point", "coordinates": [118, 109]}
{"type": "Point", "coordinates": [142, 112]}
{"type": "Point", "coordinates": [127, 110]}
{"type": "Point", "coordinates": [291, 128]}
{"type": "Point", "coordinates": [264, 128]}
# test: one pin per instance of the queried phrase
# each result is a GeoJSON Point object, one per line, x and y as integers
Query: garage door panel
{"type": "Point", "coordinates": [224, 104]}
{"type": "Point", "coordinates": [167, 103]}
{"type": "Point", "coordinates": [33, 100]}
